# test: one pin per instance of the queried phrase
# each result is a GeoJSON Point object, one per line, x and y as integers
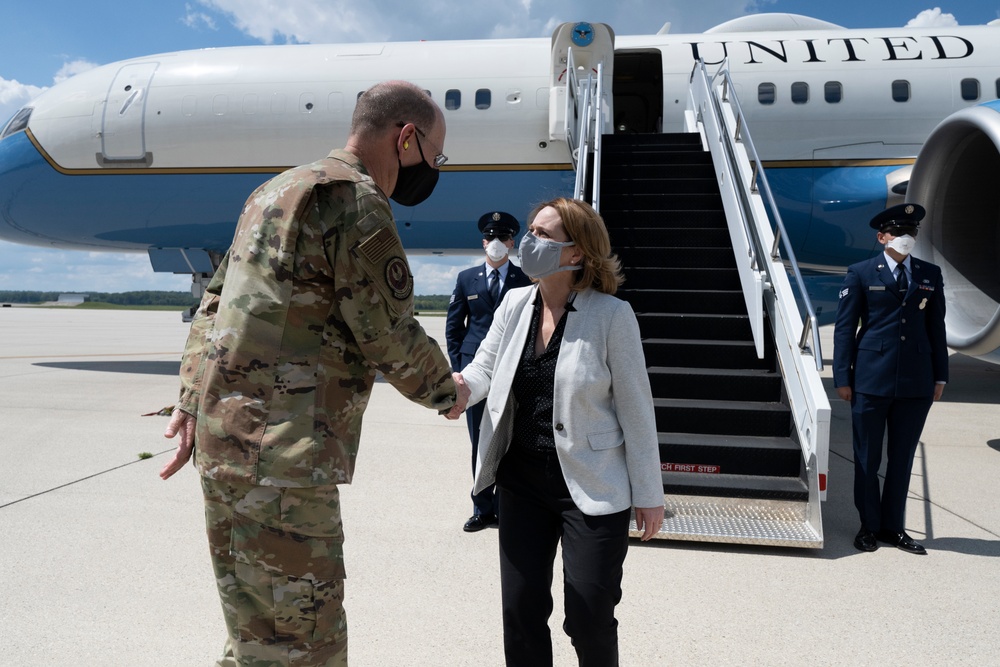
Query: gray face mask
{"type": "Point", "coordinates": [540, 257]}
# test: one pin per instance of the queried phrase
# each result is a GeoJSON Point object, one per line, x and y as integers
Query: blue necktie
{"type": "Point", "coordinates": [901, 282]}
{"type": "Point", "coordinates": [495, 286]}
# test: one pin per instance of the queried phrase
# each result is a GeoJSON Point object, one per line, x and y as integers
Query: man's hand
{"type": "Point", "coordinates": [463, 397]}
{"type": "Point", "coordinates": [181, 423]}
{"type": "Point", "coordinates": [845, 393]}
{"type": "Point", "coordinates": [938, 391]}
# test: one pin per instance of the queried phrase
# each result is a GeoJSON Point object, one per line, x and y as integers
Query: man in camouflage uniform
{"type": "Point", "coordinates": [314, 298]}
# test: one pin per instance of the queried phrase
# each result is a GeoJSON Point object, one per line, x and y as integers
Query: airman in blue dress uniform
{"type": "Point", "coordinates": [470, 314]}
{"type": "Point", "coordinates": [890, 360]}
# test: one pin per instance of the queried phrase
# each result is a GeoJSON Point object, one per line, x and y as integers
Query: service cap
{"type": "Point", "coordinates": [498, 222]}
{"type": "Point", "coordinates": [901, 215]}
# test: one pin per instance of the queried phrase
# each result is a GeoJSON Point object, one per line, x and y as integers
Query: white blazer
{"type": "Point", "coordinates": [602, 415]}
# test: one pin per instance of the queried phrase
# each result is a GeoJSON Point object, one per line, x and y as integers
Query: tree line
{"type": "Point", "coordinates": [429, 302]}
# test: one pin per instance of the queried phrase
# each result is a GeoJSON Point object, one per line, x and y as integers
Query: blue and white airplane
{"type": "Point", "coordinates": [158, 154]}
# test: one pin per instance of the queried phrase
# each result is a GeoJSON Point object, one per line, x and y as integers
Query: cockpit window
{"type": "Point", "coordinates": [17, 123]}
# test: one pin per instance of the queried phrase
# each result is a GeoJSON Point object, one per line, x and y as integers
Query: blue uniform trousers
{"type": "Point", "coordinates": [486, 501]}
{"type": "Point", "coordinates": [871, 417]}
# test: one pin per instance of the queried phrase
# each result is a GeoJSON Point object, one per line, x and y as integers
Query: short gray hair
{"type": "Point", "coordinates": [390, 103]}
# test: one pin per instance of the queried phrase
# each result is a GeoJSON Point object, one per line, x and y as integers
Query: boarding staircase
{"type": "Point", "coordinates": [742, 416]}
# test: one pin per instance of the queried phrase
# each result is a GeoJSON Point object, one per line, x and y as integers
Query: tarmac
{"type": "Point", "coordinates": [103, 564]}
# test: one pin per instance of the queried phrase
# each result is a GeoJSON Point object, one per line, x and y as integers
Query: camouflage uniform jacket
{"type": "Point", "coordinates": [314, 296]}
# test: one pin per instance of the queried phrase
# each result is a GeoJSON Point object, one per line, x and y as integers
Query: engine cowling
{"type": "Point", "coordinates": [957, 179]}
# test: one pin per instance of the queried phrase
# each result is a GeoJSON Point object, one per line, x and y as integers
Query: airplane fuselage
{"type": "Point", "coordinates": [157, 154]}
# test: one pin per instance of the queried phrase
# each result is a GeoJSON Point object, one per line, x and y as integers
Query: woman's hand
{"type": "Point", "coordinates": [649, 520]}
{"type": "Point", "coordinates": [462, 398]}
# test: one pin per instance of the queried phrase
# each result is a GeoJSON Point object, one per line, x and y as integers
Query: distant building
{"type": "Point", "coordinates": [71, 299]}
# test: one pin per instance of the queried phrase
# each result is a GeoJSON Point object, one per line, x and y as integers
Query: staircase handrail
{"type": "Point", "coordinates": [762, 274]}
{"type": "Point", "coordinates": [584, 121]}
{"type": "Point", "coordinates": [741, 134]}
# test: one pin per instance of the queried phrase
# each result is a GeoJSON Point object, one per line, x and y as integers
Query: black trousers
{"type": "Point", "coordinates": [538, 513]}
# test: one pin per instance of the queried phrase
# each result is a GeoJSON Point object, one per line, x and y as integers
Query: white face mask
{"type": "Point", "coordinates": [902, 244]}
{"type": "Point", "coordinates": [496, 250]}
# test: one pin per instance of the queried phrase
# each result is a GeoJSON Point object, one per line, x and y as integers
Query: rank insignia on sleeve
{"type": "Point", "coordinates": [844, 292]}
{"type": "Point", "coordinates": [397, 276]}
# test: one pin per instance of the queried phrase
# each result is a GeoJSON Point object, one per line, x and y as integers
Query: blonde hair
{"type": "Point", "coordinates": [601, 268]}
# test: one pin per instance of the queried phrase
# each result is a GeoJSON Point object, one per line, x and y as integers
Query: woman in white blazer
{"type": "Point", "coordinates": [571, 435]}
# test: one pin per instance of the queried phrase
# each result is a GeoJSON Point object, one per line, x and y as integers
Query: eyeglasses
{"type": "Point", "coordinates": [503, 238]}
{"type": "Point", "coordinates": [900, 231]}
{"type": "Point", "coordinates": [439, 159]}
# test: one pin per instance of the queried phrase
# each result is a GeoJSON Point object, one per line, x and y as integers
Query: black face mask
{"type": "Point", "coordinates": [414, 184]}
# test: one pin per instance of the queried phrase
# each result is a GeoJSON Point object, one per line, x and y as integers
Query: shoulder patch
{"type": "Point", "coordinates": [375, 247]}
{"type": "Point", "coordinates": [397, 276]}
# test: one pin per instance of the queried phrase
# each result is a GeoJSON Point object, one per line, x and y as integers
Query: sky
{"type": "Point", "coordinates": [46, 41]}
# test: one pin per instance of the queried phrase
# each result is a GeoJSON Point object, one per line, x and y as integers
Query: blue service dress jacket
{"type": "Point", "coordinates": [470, 311]}
{"type": "Point", "coordinates": [900, 348]}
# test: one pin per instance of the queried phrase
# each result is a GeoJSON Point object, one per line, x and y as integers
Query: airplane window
{"type": "Point", "coordinates": [453, 100]}
{"type": "Point", "coordinates": [18, 122]}
{"type": "Point", "coordinates": [901, 90]}
{"type": "Point", "coordinates": [800, 92]}
{"type": "Point", "coordinates": [833, 91]}
{"type": "Point", "coordinates": [220, 104]}
{"type": "Point", "coordinates": [483, 97]}
{"type": "Point", "coordinates": [998, 89]}
{"type": "Point", "coordinates": [250, 104]}
{"type": "Point", "coordinates": [766, 93]}
{"type": "Point", "coordinates": [307, 102]}
{"type": "Point", "coordinates": [970, 90]}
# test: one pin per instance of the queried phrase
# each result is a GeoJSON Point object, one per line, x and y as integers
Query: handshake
{"type": "Point", "coordinates": [462, 400]}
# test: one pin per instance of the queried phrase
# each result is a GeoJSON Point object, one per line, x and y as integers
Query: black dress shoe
{"type": "Point", "coordinates": [902, 541]}
{"type": "Point", "coordinates": [478, 522]}
{"type": "Point", "coordinates": [865, 540]}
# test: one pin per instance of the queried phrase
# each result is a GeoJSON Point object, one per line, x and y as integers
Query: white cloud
{"type": "Point", "coordinates": [437, 275]}
{"type": "Point", "coordinates": [194, 19]}
{"type": "Point", "coordinates": [334, 21]}
{"type": "Point", "coordinates": [73, 68]}
{"type": "Point", "coordinates": [932, 18]}
{"type": "Point", "coordinates": [47, 270]}
{"type": "Point", "coordinates": [304, 20]}
{"type": "Point", "coordinates": [13, 96]}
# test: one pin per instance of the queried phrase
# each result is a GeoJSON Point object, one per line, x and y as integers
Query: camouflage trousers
{"type": "Point", "coordinates": [279, 564]}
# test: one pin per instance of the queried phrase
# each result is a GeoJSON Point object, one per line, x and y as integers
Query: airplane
{"type": "Point", "coordinates": [157, 154]}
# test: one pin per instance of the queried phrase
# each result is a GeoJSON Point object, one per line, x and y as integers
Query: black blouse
{"type": "Point", "coordinates": [534, 384]}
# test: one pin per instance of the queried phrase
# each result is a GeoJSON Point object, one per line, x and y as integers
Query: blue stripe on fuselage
{"type": "Point", "coordinates": [825, 209]}
{"type": "Point", "coordinates": [136, 211]}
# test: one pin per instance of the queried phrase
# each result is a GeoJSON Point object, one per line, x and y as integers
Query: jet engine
{"type": "Point", "coordinates": [957, 179]}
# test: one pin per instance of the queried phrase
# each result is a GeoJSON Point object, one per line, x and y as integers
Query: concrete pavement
{"type": "Point", "coordinates": [104, 564]}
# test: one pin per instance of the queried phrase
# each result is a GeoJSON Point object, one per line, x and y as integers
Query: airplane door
{"type": "Point", "coordinates": [122, 129]}
{"type": "Point", "coordinates": [638, 92]}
